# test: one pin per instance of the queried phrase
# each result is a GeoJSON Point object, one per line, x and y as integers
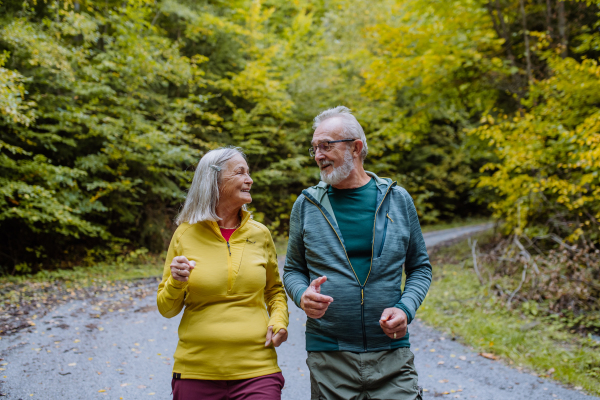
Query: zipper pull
{"type": "Point", "coordinates": [229, 248]}
{"type": "Point", "coordinates": [362, 297]}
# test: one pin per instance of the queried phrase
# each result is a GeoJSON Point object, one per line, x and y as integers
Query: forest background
{"type": "Point", "coordinates": [475, 107]}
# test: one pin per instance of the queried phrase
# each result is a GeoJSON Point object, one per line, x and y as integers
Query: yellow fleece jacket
{"type": "Point", "coordinates": [223, 329]}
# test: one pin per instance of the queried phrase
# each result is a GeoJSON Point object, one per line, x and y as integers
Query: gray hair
{"type": "Point", "coordinates": [351, 129]}
{"type": "Point", "coordinates": [203, 197]}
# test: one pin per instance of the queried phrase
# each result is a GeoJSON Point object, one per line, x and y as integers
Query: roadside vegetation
{"type": "Point", "coordinates": [457, 223]}
{"type": "Point", "coordinates": [523, 333]}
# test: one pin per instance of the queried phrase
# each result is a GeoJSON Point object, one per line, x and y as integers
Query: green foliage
{"type": "Point", "coordinates": [109, 96]}
{"type": "Point", "coordinates": [547, 173]}
{"type": "Point", "coordinates": [106, 107]}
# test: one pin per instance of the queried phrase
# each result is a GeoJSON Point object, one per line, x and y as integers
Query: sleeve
{"type": "Point", "coordinates": [295, 272]}
{"type": "Point", "coordinates": [417, 266]}
{"type": "Point", "coordinates": [275, 298]}
{"type": "Point", "coordinates": [171, 292]}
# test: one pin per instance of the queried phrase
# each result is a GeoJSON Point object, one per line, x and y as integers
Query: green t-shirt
{"type": "Point", "coordinates": [354, 211]}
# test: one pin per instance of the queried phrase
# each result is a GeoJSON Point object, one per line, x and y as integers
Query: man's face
{"type": "Point", "coordinates": [329, 130]}
{"type": "Point", "coordinates": [337, 163]}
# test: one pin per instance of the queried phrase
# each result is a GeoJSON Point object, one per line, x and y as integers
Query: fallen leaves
{"type": "Point", "coordinates": [489, 356]}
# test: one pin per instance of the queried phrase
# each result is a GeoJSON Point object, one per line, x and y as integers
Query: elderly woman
{"type": "Point", "coordinates": [222, 267]}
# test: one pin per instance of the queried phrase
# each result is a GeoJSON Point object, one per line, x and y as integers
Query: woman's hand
{"type": "Point", "coordinates": [279, 338]}
{"type": "Point", "coordinates": [181, 268]}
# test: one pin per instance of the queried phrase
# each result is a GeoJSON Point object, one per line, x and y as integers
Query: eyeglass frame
{"type": "Point", "coordinates": [313, 153]}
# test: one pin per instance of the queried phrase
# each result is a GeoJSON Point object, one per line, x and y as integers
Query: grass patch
{"type": "Point", "coordinates": [133, 266]}
{"type": "Point", "coordinates": [455, 224]}
{"type": "Point", "coordinates": [458, 304]}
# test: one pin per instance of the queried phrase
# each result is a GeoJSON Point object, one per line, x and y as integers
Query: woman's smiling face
{"type": "Point", "coordinates": [235, 183]}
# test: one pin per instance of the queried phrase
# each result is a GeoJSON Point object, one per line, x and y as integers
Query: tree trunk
{"type": "Point", "coordinates": [562, 28]}
{"type": "Point", "coordinates": [549, 17]}
{"type": "Point", "coordinates": [505, 33]}
{"type": "Point", "coordinates": [526, 36]}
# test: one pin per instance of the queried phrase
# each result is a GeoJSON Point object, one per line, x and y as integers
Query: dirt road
{"type": "Point", "coordinates": [70, 354]}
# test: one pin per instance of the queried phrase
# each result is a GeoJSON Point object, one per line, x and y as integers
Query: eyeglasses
{"type": "Point", "coordinates": [326, 146]}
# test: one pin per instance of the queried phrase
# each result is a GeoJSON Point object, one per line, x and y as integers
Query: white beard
{"type": "Point", "coordinates": [339, 173]}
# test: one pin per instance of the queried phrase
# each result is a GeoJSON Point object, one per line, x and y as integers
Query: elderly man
{"type": "Point", "coordinates": [349, 237]}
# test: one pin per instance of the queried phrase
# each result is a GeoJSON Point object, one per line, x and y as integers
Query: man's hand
{"type": "Point", "coordinates": [313, 302]}
{"type": "Point", "coordinates": [279, 338]}
{"type": "Point", "coordinates": [393, 322]}
{"type": "Point", "coordinates": [181, 268]}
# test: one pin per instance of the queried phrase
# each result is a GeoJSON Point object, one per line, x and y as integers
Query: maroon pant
{"type": "Point", "coordinates": [267, 387]}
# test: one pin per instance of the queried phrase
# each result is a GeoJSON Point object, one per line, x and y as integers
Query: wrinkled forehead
{"type": "Point", "coordinates": [330, 129]}
{"type": "Point", "coordinates": [236, 163]}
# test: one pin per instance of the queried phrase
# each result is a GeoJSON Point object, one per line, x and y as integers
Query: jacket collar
{"type": "Point", "coordinates": [319, 192]}
{"type": "Point", "coordinates": [214, 225]}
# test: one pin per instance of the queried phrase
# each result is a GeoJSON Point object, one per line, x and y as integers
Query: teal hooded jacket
{"type": "Point", "coordinates": [316, 248]}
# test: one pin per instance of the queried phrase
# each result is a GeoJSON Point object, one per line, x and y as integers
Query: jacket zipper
{"type": "Point", "coordinates": [362, 286]}
{"type": "Point", "coordinates": [362, 316]}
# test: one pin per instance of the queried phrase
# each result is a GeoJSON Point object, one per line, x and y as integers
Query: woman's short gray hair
{"type": "Point", "coordinates": [203, 197]}
{"type": "Point", "coordinates": [351, 129]}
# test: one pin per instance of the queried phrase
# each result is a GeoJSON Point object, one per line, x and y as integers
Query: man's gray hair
{"type": "Point", "coordinates": [351, 129]}
{"type": "Point", "coordinates": [203, 197]}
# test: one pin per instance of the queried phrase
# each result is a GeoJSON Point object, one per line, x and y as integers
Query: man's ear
{"type": "Point", "coordinates": [358, 146]}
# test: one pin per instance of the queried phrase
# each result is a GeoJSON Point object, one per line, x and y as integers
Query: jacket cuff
{"type": "Point", "coordinates": [409, 314]}
{"type": "Point", "coordinates": [279, 320]}
{"type": "Point", "coordinates": [277, 326]}
{"type": "Point", "coordinates": [172, 282]}
{"type": "Point", "coordinates": [298, 295]}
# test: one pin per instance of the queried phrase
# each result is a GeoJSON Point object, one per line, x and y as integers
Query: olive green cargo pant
{"type": "Point", "coordinates": [381, 375]}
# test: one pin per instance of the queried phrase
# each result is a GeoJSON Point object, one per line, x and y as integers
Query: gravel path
{"type": "Point", "coordinates": [127, 354]}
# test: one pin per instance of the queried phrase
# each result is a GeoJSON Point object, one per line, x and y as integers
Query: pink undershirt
{"type": "Point", "coordinates": [227, 233]}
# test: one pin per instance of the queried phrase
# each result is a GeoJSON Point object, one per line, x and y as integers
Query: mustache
{"type": "Point", "coordinates": [324, 163]}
